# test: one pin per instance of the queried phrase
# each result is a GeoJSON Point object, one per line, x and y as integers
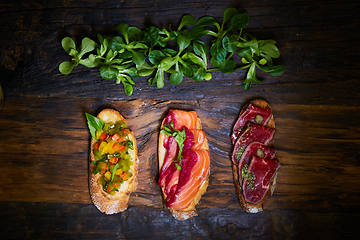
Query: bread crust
{"type": "Point", "coordinates": [190, 211]}
{"type": "Point", "coordinates": [106, 203]}
{"type": "Point", "coordinates": [248, 207]}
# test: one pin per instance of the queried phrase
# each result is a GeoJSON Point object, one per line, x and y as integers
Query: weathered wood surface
{"type": "Point", "coordinates": [44, 138]}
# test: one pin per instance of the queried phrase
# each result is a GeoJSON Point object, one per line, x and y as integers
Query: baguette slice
{"type": "Point", "coordinates": [106, 203]}
{"type": "Point", "coordinates": [248, 207]}
{"type": "Point", "coordinates": [190, 211]}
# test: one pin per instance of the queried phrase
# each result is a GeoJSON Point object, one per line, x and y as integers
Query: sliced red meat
{"type": "Point", "coordinates": [251, 113]}
{"type": "Point", "coordinates": [254, 149]}
{"type": "Point", "coordinates": [259, 175]}
{"type": "Point", "coordinates": [251, 133]}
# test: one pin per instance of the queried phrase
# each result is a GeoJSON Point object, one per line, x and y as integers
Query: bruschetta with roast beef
{"type": "Point", "coordinates": [254, 162]}
{"type": "Point", "coordinates": [113, 161]}
{"type": "Point", "coordinates": [184, 162]}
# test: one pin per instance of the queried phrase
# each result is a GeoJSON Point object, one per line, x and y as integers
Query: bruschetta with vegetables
{"type": "Point", "coordinates": [254, 162]}
{"type": "Point", "coordinates": [184, 162]}
{"type": "Point", "coordinates": [113, 161]}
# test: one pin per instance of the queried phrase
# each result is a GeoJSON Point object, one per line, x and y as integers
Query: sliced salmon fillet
{"type": "Point", "coordinates": [171, 154]}
{"type": "Point", "coordinates": [199, 138]}
{"type": "Point", "coordinates": [182, 119]}
{"type": "Point", "coordinates": [195, 170]}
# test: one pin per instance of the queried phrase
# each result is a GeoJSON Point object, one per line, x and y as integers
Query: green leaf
{"type": "Point", "coordinates": [244, 61]}
{"type": "Point", "coordinates": [182, 42]}
{"type": "Point", "coordinates": [110, 56]}
{"type": "Point", "coordinates": [94, 124]}
{"type": "Point", "coordinates": [138, 45]}
{"type": "Point", "coordinates": [226, 43]}
{"type": "Point", "coordinates": [201, 50]}
{"type": "Point", "coordinates": [100, 38]}
{"type": "Point", "coordinates": [123, 29]}
{"type": "Point", "coordinates": [167, 63]}
{"type": "Point", "coordinates": [138, 58]}
{"type": "Point", "coordinates": [66, 67]}
{"type": "Point", "coordinates": [176, 78]}
{"type": "Point", "coordinates": [152, 37]}
{"type": "Point", "coordinates": [73, 52]}
{"type": "Point", "coordinates": [156, 56]}
{"type": "Point", "coordinates": [206, 21]}
{"type": "Point", "coordinates": [186, 20]}
{"type": "Point", "coordinates": [108, 72]}
{"type": "Point", "coordinates": [199, 74]}
{"type": "Point", "coordinates": [239, 21]}
{"type": "Point", "coordinates": [273, 70]}
{"type": "Point", "coordinates": [68, 44]}
{"type": "Point", "coordinates": [217, 51]}
{"type": "Point", "coordinates": [250, 77]}
{"type": "Point", "coordinates": [104, 47]}
{"type": "Point", "coordinates": [228, 14]}
{"type": "Point", "coordinates": [89, 62]}
{"type": "Point", "coordinates": [227, 66]}
{"type": "Point", "coordinates": [195, 59]}
{"type": "Point", "coordinates": [135, 34]}
{"type": "Point", "coordinates": [145, 72]}
{"type": "Point", "coordinates": [159, 78]}
{"type": "Point", "coordinates": [169, 52]}
{"type": "Point", "coordinates": [116, 43]}
{"type": "Point", "coordinates": [128, 89]}
{"type": "Point", "coordinates": [269, 48]}
{"type": "Point", "coordinates": [87, 45]}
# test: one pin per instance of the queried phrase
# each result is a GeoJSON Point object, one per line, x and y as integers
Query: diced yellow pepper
{"type": "Point", "coordinates": [98, 133]}
{"type": "Point", "coordinates": [102, 147]}
{"type": "Point", "coordinates": [108, 175]}
{"type": "Point", "coordinates": [118, 171]}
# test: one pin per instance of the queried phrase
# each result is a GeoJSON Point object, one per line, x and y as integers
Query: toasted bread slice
{"type": "Point", "coordinates": [248, 207]}
{"type": "Point", "coordinates": [190, 211]}
{"type": "Point", "coordinates": [106, 203]}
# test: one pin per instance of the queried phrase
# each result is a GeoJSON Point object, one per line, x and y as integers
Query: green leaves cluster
{"type": "Point", "coordinates": [156, 52]}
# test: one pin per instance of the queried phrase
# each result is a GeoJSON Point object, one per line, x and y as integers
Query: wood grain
{"type": "Point", "coordinates": [52, 161]}
{"type": "Point", "coordinates": [44, 138]}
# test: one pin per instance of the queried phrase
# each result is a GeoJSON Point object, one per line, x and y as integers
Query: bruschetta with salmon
{"type": "Point", "coordinates": [184, 162]}
{"type": "Point", "coordinates": [113, 161]}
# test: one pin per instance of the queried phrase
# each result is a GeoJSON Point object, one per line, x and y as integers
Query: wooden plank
{"type": "Point", "coordinates": [83, 221]}
{"type": "Point", "coordinates": [44, 149]}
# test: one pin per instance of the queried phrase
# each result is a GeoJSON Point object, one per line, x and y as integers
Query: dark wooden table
{"type": "Point", "coordinates": [44, 138]}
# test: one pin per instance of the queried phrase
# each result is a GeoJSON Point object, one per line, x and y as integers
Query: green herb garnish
{"type": "Point", "coordinates": [146, 52]}
{"type": "Point", "coordinates": [240, 153]}
{"type": "Point", "coordinates": [250, 176]}
{"type": "Point", "coordinates": [180, 137]}
{"type": "Point", "coordinates": [94, 124]}
{"type": "Point", "coordinates": [113, 171]}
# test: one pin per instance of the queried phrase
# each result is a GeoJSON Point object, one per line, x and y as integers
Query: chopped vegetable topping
{"type": "Point", "coordinates": [111, 154]}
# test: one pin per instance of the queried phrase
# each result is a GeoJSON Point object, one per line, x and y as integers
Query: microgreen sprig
{"type": "Point", "coordinates": [179, 137]}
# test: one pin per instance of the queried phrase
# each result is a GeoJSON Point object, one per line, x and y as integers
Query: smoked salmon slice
{"type": "Point", "coordinates": [182, 119]}
{"type": "Point", "coordinates": [195, 170]}
{"type": "Point", "coordinates": [199, 138]}
{"type": "Point", "coordinates": [171, 153]}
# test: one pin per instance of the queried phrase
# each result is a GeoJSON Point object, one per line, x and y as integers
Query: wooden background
{"type": "Point", "coordinates": [44, 139]}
